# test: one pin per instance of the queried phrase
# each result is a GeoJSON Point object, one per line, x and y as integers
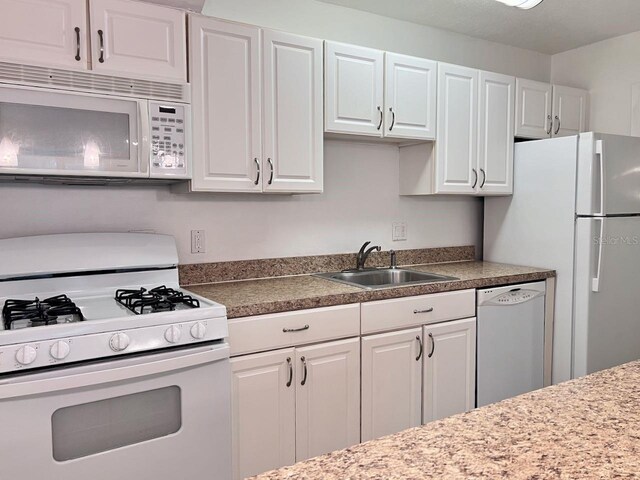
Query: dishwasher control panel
{"type": "Point", "coordinates": [511, 294]}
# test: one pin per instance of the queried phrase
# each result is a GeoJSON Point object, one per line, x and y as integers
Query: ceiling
{"type": "Point", "coordinates": [552, 27]}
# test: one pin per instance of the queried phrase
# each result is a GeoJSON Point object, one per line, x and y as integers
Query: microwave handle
{"type": "Point", "coordinates": [144, 152]}
{"type": "Point", "coordinates": [110, 373]}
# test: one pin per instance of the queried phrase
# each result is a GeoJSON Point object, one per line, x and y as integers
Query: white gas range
{"type": "Point", "coordinates": [108, 369]}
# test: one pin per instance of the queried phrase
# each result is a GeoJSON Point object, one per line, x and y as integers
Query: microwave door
{"type": "Point", "coordinates": [46, 132]}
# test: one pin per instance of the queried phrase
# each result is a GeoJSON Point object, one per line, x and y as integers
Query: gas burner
{"type": "Point", "coordinates": [160, 299]}
{"type": "Point", "coordinates": [36, 313]}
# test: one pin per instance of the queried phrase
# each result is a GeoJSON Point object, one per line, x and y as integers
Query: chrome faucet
{"type": "Point", "coordinates": [363, 254]}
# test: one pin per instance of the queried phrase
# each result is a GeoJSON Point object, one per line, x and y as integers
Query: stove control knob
{"type": "Point", "coordinates": [59, 350]}
{"type": "Point", "coordinates": [198, 330]}
{"type": "Point", "coordinates": [26, 355]}
{"type": "Point", "coordinates": [172, 334]}
{"type": "Point", "coordinates": [119, 342]}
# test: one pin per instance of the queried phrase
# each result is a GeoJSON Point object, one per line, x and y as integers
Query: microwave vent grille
{"type": "Point", "coordinates": [91, 82]}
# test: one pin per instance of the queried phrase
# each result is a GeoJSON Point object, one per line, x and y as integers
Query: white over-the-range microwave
{"type": "Point", "coordinates": [63, 136]}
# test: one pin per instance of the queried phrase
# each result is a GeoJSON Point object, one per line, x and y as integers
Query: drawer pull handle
{"type": "Point", "coordinates": [426, 310]}
{"type": "Point", "coordinates": [419, 343]}
{"type": "Point", "coordinates": [433, 346]}
{"type": "Point", "coordinates": [287, 330]}
{"type": "Point", "coordinates": [304, 376]}
{"type": "Point", "coordinates": [290, 371]}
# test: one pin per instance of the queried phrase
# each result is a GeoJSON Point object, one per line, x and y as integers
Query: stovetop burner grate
{"type": "Point", "coordinates": [36, 312]}
{"type": "Point", "coordinates": [158, 299]}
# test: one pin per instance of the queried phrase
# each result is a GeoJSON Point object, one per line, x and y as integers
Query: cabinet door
{"type": "Point", "coordinates": [391, 382]}
{"type": "Point", "coordinates": [449, 369]}
{"type": "Point", "coordinates": [533, 109]}
{"type": "Point", "coordinates": [293, 115]}
{"type": "Point", "coordinates": [44, 32]}
{"type": "Point", "coordinates": [263, 412]}
{"type": "Point", "coordinates": [138, 39]}
{"type": "Point", "coordinates": [327, 397]}
{"type": "Point", "coordinates": [353, 89]}
{"type": "Point", "coordinates": [495, 139]}
{"type": "Point", "coordinates": [569, 111]}
{"type": "Point", "coordinates": [457, 135]}
{"type": "Point", "coordinates": [410, 97]}
{"type": "Point", "coordinates": [226, 102]}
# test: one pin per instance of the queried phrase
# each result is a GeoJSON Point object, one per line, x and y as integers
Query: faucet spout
{"type": "Point", "coordinates": [364, 254]}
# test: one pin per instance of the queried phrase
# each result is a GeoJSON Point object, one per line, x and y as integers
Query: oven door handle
{"type": "Point", "coordinates": [109, 373]}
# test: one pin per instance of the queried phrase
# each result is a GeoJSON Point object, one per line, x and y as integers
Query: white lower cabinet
{"type": "Point", "coordinates": [449, 369]}
{"type": "Point", "coordinates": [294, 403]}
{"type": "Point", "coordinates": [391, 382]}
{"type": "Point", "coordinates": [263, 412]}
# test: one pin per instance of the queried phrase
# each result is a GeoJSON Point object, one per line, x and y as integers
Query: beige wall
{"type": "Point", "coordinates": [609, 70]}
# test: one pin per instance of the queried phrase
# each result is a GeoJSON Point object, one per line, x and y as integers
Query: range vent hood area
{"type": "Point", "coordinates": [191, 5]}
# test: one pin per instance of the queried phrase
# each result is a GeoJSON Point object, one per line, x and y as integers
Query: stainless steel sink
{"type": "Point", "coordinates": [384, 277]}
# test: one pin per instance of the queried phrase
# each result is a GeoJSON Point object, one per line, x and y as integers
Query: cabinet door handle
{"type": "Point", "coordinates": [420, 344]}
{"type": "Point", "coordinates": [393, 118]}
{"type": "Point", "coordinates": [304, 374]}
{"type": "Point", "coordinates": [101, 38]}
{"type": "Point", "coordinates": [433, 345]}
{"type": "Point", "coordinates": [475, 181]}
{"type": "Point", "coordinates": [381, 115]}
{"type": "Point", "coordinates": [425, 310]}
{"type": "Point", "coordinates": [287, 330]}
{"type": "Point", "coordinates": [484, 177]}
{"type": "Point", "coordinates": [271, 167]}
{"type": "Point", "coordinates": [550, 124]}
{"type": "Point", "coordinates": [290, 365]}
{"type": "Point", "coordinates": [257, 170]}
{"type": "Point", "coordinates": [77, 30]}
{"type": "Point", "coordinates": [555, 132]}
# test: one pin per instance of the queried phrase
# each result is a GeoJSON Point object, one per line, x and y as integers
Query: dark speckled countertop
{"type": "Point", "coordinates": [279, 294]}
{"type": "Point", "coordinates": [583, 429]}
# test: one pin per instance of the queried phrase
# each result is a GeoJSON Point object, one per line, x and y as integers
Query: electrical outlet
{"type": "Point", "coordinates": [197, 241]}
{"type": "Point", "coordinates": [398, 231]}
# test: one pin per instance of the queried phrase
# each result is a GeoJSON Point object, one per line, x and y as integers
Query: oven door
{"type": "Point", "coordinates": [48, 132]}
{"type": "Point", "coordinates": [163, 417]}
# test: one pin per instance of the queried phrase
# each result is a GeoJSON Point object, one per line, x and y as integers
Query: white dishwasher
{"type": "Point", "coordinates": [510, 338]}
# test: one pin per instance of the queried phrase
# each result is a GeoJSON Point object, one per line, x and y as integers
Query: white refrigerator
{"type": "Point", "coordinates": [576, 209]}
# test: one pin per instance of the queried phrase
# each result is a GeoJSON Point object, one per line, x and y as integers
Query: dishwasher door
{"type": "Point", "coordinates": [510, 341]}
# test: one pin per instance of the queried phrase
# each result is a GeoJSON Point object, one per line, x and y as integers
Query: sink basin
{"type": "Point", "coordinates": [384, 277]}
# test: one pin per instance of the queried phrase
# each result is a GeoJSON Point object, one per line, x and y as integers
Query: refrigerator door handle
{"type": "Point", "coordinates": [595, 282]}
{"type": "Point", "coordinates": [600, 153]}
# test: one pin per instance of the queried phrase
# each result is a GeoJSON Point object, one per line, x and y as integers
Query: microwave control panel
{"type": "Point", "coordinates": [168, 139]}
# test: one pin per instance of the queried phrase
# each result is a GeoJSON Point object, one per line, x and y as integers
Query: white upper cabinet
{"type": "Point", "coordinates": [391, 382]}
{"type": "Point", "coordinates": [569, 111]}
{"type": "Point", "coordinates": [409, 97]}
{"type": "Point", "coordinates": [293, 113]}
{"type": "Point", "coordinates": [544, 110]}
{"type": "Point", "coordinates": [495, 139]}
{"type": "Point", "coordinates": [44, 32]}
{"type": "Point", "coordinates": [353, 89]}
{"type": "Point", "coordinates": [533, 109]}
{"type": "Point", "coordinates": [327, 397]}
{"type": "Point", "coordinates": [226, 106]}
{"type": "Point", "coordinates": [449, 369]}
{"type": "Point", "coordinates": [139, 39]}
{"type": "Point", "coordinates": [263, 412]}
{"type": "Point", "coordinates": [457, 135]}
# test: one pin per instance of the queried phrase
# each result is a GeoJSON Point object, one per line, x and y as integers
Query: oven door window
{"type": "Point", "coordinates": [56, 132]}
{"type": "Point", "coordinates": [90, 428]}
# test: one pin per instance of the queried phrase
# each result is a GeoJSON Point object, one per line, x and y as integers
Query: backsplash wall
{"type": "Point", "coordinates": [359, 203]}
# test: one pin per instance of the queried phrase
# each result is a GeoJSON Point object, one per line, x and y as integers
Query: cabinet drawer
{"type": "Point", "coordinates": [412, 311]}
{"type": "Point", "coordinates": [267, 332]}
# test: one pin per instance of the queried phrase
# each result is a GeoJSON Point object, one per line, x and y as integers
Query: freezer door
{"type": "Point", "coordinates": [606, 321]}
{"type": "Point", "coordinates": [608, 174]}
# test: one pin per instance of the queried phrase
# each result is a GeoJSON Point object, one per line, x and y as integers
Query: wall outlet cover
{"type": "Point", "coordinates": [399, 231]}
{"type": "Point", "coordinates": [197, 241]}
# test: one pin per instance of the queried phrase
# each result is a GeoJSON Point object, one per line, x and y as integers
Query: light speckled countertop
{"type": "Point", "coordinates": [583, 429]}
{"type": "Point", "coordinates": [279, 294]}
